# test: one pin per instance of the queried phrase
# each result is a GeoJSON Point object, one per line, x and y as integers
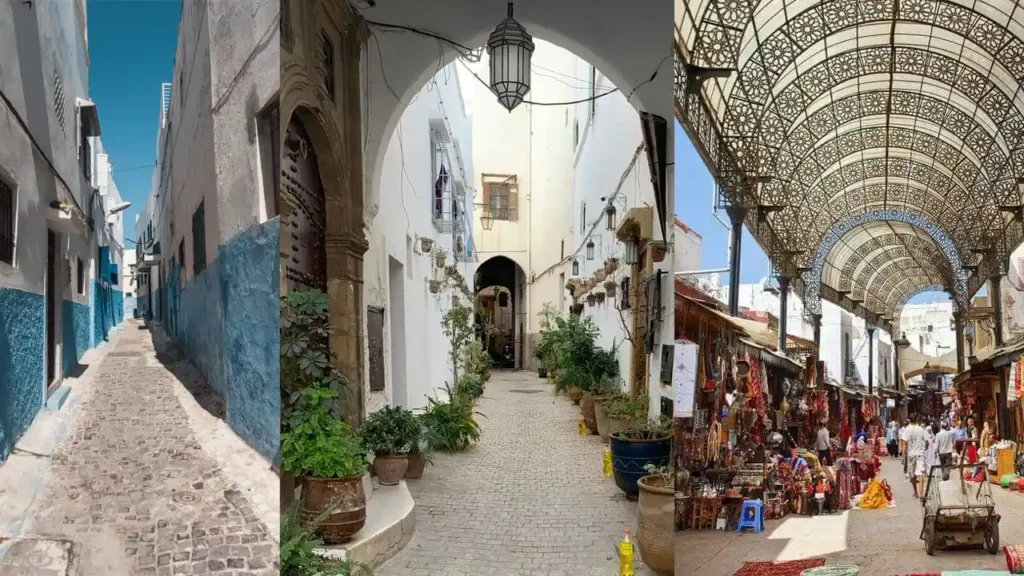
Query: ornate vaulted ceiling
{"type": "Point", "coordinates": [817, 114]}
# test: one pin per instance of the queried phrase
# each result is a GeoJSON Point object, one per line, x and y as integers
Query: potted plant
{"type": "Point", "coordinates": [611, 265]}
{"type": "Point", "coordinates": [656, 519]}
{"type": "Point", "coordinates": [600, 274]}
{"type": "Point", "coordinates": [618, 410]}
{"type": "Point", "coordinates": [576, 309]}
{"type": "Point", "coordinates": [299, 545]}
{"type": "Point", "coordinates": [439, 257]}
{"type": "Point", "coordinates": [421, 453]}
{"type": "Point", "coordinates": [426, 245]}
{"type": "Point", "coordinates": [610, 287]}
{"type": "Point", "coordinates": [591, 300]}
{"type": "Point", "coordinates": [571, 286]}
{"type": "Point", "coordinates": [391, 433]}
{"type": "Point", "coordinates": [450, 426]}
{"type": "Point", "coordinates": [642, 442]}
{"type": "Point", "coordinates": [330, 460]}
{"type": "Point", "coordinates": [600, 297]}
{"type": "Point", "coordinates": [591, 397]}
{"type": "Point", "coordinates": [435, 286]}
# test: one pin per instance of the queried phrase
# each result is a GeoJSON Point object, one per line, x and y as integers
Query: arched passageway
{"type": "Point", "coordinates": [500, 310]}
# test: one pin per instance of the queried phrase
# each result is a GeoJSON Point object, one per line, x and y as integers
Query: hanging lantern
{"type": "Point", "coordinates": [486, 221]}
{"type": "Point", "coordinates": [609, 211]}
{"type": "Point", "coordinates": [631, 249]}
{"type": "Point", "coordinates": [509, 48]}
{"type": "Point", "coordinates": [590, 250]}
{"type": "Point", "coordinates": [575, 268]}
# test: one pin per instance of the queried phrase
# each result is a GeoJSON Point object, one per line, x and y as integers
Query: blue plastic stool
{"type": "Point", "coordinates": [751, 516]}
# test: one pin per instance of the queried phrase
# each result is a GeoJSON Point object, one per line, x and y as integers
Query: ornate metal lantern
{"type": "Point", "coordinates": [590, 250]}
{"type": "Point", "coordinates": [510, 48]}
{"type": "Point", "coordinates": [486, 221]}
{"type": "Point", "coordinates": [609, 211]}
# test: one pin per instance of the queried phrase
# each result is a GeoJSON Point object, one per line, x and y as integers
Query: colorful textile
{"type": "Point", "coordinates": [792, 568]}
{"type": "Point", "coordinates": [874, 497]}
{"type": "Point", "coordinates": [1014, 558]}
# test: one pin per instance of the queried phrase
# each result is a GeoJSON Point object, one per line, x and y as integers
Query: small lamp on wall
{"type": "Point", "coordinates": [609, 212]}
{"type": "Point", "coordinates": [631, 252]}
{"type": "Point", "coordinates": [575, 268]}
{"type": "Point", "coordinates": [590, 250]}
{"type": "Point", "coordinates": [486, 221]}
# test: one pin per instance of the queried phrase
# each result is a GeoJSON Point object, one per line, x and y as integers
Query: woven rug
{"type": "Point", "coordinates": [792, 568]}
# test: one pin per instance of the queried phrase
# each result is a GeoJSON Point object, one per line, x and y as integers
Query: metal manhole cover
{"type": "Point", "coordinates": [526, 391]}
{"type": "Point", "coordinates": [185, 498]}
{"type": "Point", "coordinates": [35, 556]}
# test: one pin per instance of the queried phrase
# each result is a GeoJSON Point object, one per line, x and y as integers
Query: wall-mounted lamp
{"type": "Point", "coordinates": [590, 250]}
{"type": "Point", "coordinates": [575, 267]}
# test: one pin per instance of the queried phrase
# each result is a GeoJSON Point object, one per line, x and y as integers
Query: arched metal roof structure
{"type": "Point", "coordinates": [815, 114]}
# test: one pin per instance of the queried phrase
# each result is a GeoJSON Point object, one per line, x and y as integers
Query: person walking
{"type": "Point", "coordinates": [823, 445]}
{"type": "Point", "coordinates": [916, 445]}
{"type": "Point", "coordinates": [903, 444]}
{"type": "Point", "coordinates": [944, 446]}
{"type": "Point", "coordinates": [891, 435]}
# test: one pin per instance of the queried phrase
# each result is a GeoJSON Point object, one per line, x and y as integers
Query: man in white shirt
{"type": "Point", "coordinates": [916, 444]}
{"type": "Point", "coordinates": [823, 446]}
{"type": "Point", "coordinates": [944, 442]}
{"type": "Point", "coordinates": [903, 445]}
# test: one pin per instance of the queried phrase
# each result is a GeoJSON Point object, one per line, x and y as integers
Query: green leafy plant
{"type": "Point", "coordinates": [306, 358]}
{"type": "Point", "coordinates": [475, 360]}
{"type": "Point", "coordinates": [627, 408]}
{"type": "Point", "coordinates": [647, 429]}
{"type": "Point", "coordinates": [450, 426]}
{"type": "Point", "coordinates": [390, 431]}
{"type": "Point", "coordinates": [664, 472]}
{"type": "Point", "coordinates": [298, 555]}
{"type": "Point", "coordinates": [581, 363]}
{"type": "Point", "coordinates": [470, 387]}
{"type": "Point", "coordinates": [320, 445]}
{"type": "Point", "coordinates": [421, 446]}
{"type": "Point", "coordinates": [458, 328]}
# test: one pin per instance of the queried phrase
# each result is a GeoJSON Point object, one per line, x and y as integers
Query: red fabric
{"type": "Point", "coordinates": [1014, 559]}
{"type": "Point", "coordinates": [793, 568]}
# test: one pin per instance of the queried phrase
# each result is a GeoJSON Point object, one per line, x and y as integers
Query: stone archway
{"type": "Point", "coordinates": [321, 44]}
{"type": "Point", "coordinates": [499, 288]}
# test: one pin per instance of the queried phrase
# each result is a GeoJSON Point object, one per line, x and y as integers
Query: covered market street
{"type": "Point", "coordinates": [878, 542]}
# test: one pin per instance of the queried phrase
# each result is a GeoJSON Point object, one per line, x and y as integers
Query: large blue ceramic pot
{"type": "Point", "coordinates": [631, 457]}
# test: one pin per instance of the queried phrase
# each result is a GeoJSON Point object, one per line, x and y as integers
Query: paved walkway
{"type": "Point", "coordinates": [131, 488]}
{"type": "Point", "coordinates": [879, 542]}
{"type": "Point", "coordinates": [528, 499]}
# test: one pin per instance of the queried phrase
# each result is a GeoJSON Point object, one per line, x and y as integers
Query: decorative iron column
{"type": "Point", "coordinates": [871, 359]}
{"type": "Point", "coordinates": [736, 216]}
{"type": "Point", "coordinates": [783, 311]}
{"type": "Point", "coordinates": [996, 290]}
{"type": "Point", "coordinates": [816, 318]}
{"type": "Point", "coordinates": [958, 321]}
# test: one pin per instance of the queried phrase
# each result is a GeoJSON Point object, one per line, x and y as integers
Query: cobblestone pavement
{"type": "Point", "coordinates": [879, 542]}
{"type": "Point", "coordinates": [130, 490]}
{"type": "Point", "coordinates": [528, 499]}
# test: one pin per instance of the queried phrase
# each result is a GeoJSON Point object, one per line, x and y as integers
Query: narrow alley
{"type": "Point", "coordinates": [528, 499]}
{"type": "Point", "coordinates": [137, 475]}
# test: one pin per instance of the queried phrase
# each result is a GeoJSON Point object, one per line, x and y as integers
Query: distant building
{"type": "Point", "coordinates": [61, 235]}
{"type": "Point", "coordinates": [128, 284]}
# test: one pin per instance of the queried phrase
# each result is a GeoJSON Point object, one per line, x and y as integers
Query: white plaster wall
{"type": "Point", "coordinates": [687, 248]}
{"type": "Point", "coordinates": [405, 217]}
{"type": "Point", "coordinates": [916, 318]}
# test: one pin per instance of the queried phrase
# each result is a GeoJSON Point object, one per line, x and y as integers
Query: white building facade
{"type": "Point", "coordinates": [60, 245]}
{"type": "Point", "coordinates": [208, 237]}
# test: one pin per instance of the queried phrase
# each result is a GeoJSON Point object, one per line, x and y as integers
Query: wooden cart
{"type": "Point", "coordinates": [958, 513]}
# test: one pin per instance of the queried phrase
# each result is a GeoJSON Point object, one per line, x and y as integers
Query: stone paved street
{"type": "Point", "coordinates": [879, 542]}
{"type": "Point", "coordinates": [132, 491]}
{"type": "Point", "coordinates": [529, 499]}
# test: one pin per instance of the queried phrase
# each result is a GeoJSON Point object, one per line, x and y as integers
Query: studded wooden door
{"type": "Point", "coordinates": [302, 189]}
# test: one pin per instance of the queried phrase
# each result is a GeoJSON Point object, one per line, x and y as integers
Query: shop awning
{"type": "Point", "coordinates": [915, 363]}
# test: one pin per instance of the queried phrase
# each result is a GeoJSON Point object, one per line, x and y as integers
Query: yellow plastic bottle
{"type": "Point", "coordinates": [625, 554]}
{"type": "Point", "coordinates": [607, 458]}
{"type": "Point", "coordinates": [582, 426]}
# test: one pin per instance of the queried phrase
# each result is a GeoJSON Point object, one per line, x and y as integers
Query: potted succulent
{"type": "Point", "coordinates": [642, 442]}
{"type": "Point", "coordinates": [329, 460]}
{"type": "Point", "coordinates": [391, 433]}
{"type": "Point", "coordinates": [656, 519]}
{"type": "Point", "coordinates": [421, 452]}
{"type": "Point", "coordinates": [426, 245]}
{"type": "Point", "coordinates": [610, 287]}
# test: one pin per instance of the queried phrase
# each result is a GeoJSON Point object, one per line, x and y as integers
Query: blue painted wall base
{"type": "Point", "coordinates": [227, 323]}
{"type": "Point", "coordinates": [22, 363]}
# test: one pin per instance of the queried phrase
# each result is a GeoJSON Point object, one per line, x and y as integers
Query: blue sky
{"type": "Point", "coordinates": [694, 203]}
{"type": "Point", "coordinates": [131, 52]}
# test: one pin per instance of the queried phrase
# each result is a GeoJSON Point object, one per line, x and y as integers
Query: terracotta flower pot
{"type": "Point", "coordinates": [344, 496]}
{"type": "Point", "coordinates": [390, 469]}
{"type": "Point", "coordinates": [602, 419]}
{"type": "Point", "coordinates": [587, 408]}
{"type": "Point", "coordinates": [574, 394]}
{"type": "Point", "coordinates": [615, 425]}
{"type": "Point", "coordinates": [655, 516]}
{"type": "Point", "coordinates": [487, 376]}
{"type": "Point", "coordinates": [416, 466]}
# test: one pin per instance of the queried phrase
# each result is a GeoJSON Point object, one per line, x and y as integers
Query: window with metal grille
{"type": "Point", "coordinates": [7, 212]}
{"type": "Point", "coordinates": [80, 275]}
{"type": "Point", "coordinates": [59, 106]}
{"type": "Point", "coordinates": [268, 126]}
{"type": "Point", "coordinates": [375, 334]}
{"type": "Point", "coordinates": [624, 292]}
{"type": "Point", "coordinates": [501, 197]}
{"type": "Point", "coordinates": [199, 240]}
